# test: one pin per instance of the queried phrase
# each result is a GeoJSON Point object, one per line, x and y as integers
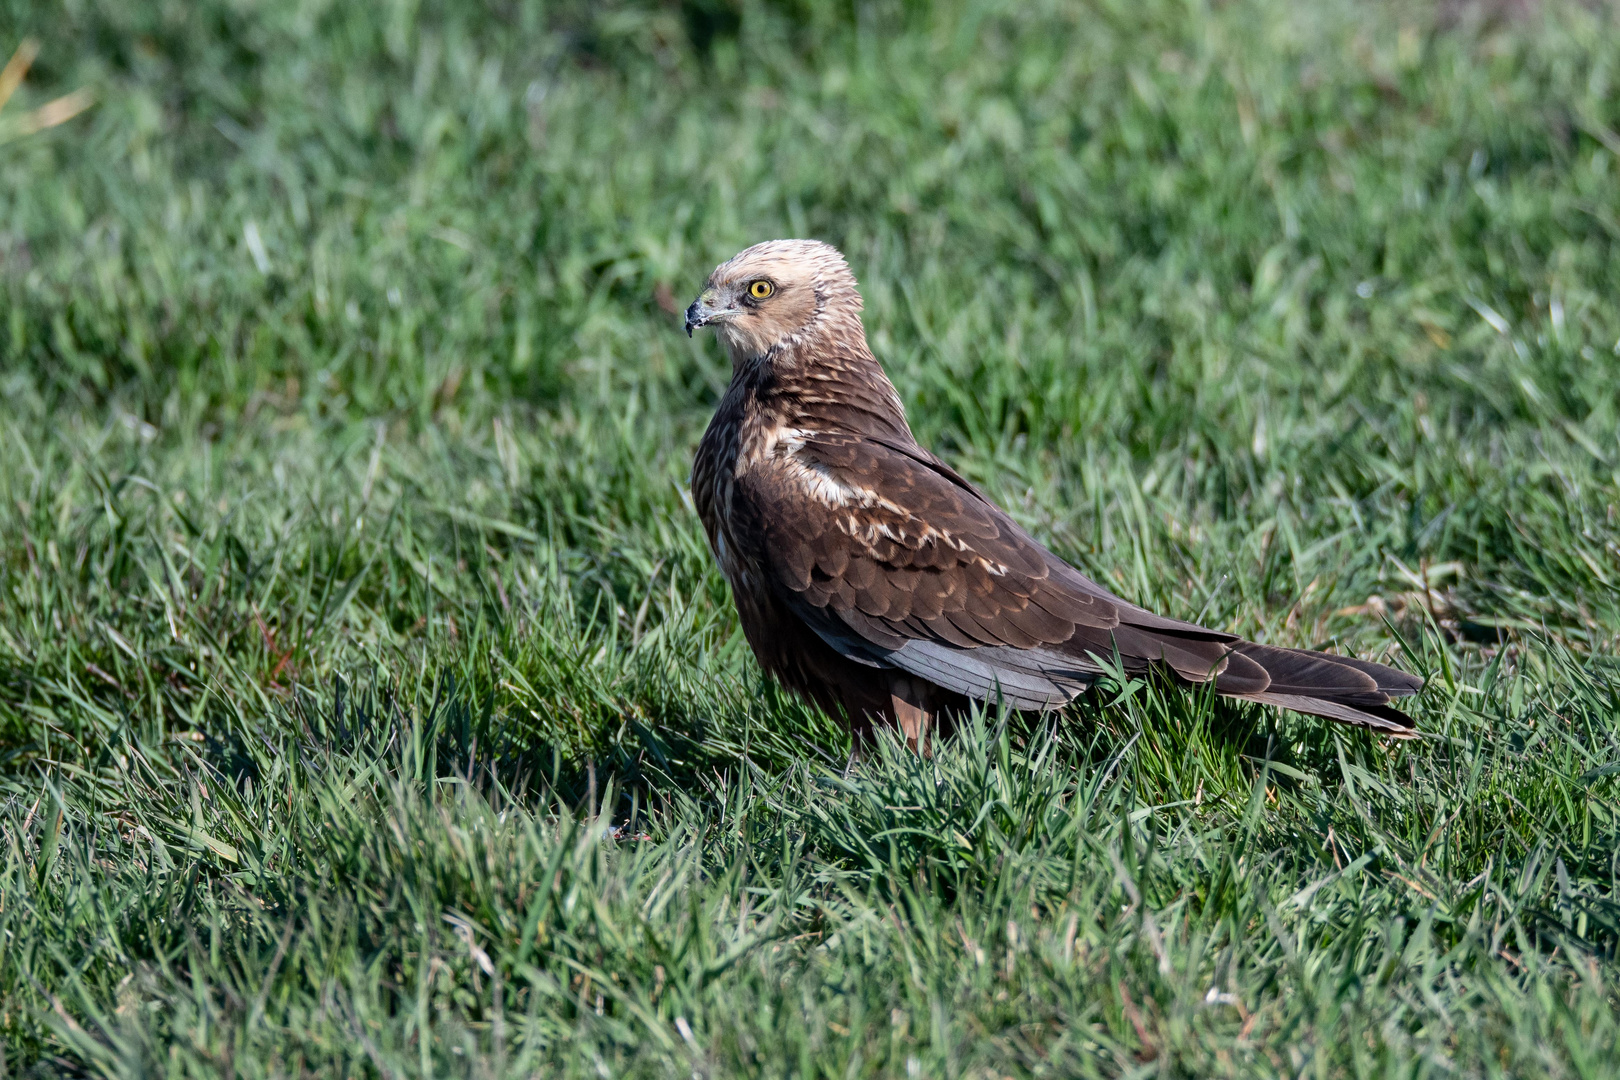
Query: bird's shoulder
{"type": "Point", "coordinates": [831, 504]}
{"type": "Point", "coordinates": [878, 525]}
{"type": "Point", "coordinates": [798, 459]}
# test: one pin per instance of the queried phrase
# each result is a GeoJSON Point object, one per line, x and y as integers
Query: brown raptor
{"type": "Point", "coordinates": [872, 578]}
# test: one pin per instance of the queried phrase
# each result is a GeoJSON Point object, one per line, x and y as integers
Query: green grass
{"type": "Point", "coordinates": [369, 703]}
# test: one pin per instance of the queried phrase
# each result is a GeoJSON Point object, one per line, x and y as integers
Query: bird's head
{"type": "Point", "coordinates": [776, 294]}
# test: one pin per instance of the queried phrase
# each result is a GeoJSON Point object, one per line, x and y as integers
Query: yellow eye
{"type": "Point", "coordinates": [759, 290]}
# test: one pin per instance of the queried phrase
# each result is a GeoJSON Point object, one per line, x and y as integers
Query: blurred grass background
{"type": "Point", "coordinates": [369, 703]}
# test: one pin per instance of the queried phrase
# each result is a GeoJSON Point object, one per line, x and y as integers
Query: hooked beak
{"type": "Point", "coordinates": [700, 313]}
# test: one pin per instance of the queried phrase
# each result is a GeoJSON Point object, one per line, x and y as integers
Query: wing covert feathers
{"type": "Point", "coordinates": [897, 562]}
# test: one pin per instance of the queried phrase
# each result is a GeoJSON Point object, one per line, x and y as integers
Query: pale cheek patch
{"type": "Point", "coordinates": [743, 340]}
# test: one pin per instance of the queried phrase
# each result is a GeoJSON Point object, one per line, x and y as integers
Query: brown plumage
{"type": "Point", "coordinates": [873, 579]}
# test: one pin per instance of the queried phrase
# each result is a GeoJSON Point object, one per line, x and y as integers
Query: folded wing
{"type": "Point", "coordinates": [896, 561]}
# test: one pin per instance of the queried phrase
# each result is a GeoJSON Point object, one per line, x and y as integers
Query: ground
{"type": "Point", "coordinates": [369, 703]}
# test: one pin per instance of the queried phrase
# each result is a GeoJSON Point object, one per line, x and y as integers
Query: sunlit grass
{"type": "Point", "coordinates": [369, 702]}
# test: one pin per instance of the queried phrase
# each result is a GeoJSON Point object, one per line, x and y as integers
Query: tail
{"type": "Point", "coordinates": [1320, 684]}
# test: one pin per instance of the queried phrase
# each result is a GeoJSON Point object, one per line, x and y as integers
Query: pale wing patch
{"type": "Point", "coordinates": [782, 447]}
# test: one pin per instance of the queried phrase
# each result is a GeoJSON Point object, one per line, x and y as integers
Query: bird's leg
{"type": "Point", "coordinates": [915, 719]}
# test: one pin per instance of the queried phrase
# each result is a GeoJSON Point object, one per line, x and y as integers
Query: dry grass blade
{"type": "Point", "coordinates": [52, 113]}
{"type": "Point", "coordinates": [11, 76]}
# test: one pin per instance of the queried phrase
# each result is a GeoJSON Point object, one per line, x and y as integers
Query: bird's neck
{"type": "Point", "coordinates": [824, 383]}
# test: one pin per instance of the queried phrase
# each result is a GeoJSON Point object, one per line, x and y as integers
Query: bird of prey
{"type": "Point", "coordinates": [872, 578]}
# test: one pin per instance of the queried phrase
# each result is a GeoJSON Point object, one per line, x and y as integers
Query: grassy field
{"type": "Point", "coordinates": [370, 705]}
